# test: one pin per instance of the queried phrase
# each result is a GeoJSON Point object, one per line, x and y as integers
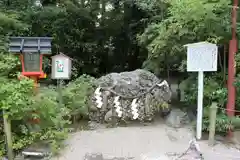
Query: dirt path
{"type": "Point", "coordinates": [154, 140]}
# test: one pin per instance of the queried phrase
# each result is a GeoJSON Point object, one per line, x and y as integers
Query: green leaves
{"type": "Point", "coordinates": [76, 95]}
{"type": "Point", "coordinates": [9, 64]}
{"type": "Point", "coordinates": [187, 21]}
{"type": "Point", "coordinates": [46, 108]}
{"type": "Point", "coordinates": [15, 97]}
{"type": "Point", "coordinates": [214, 91]}
{"type": "Point", "coordinates": [10, 25]}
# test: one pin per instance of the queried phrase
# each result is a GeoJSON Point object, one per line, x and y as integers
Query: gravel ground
{"type": "Point", "coordinates": [138, 142]}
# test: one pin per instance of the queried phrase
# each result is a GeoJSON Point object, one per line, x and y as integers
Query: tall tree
{"type": "Point", "coordinates": [186, 21]}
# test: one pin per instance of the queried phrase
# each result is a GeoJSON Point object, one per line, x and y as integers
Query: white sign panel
{"type": "Point", "coordinates": [61, 67]}
{"type": "Point", "coordinates": [202, 57]}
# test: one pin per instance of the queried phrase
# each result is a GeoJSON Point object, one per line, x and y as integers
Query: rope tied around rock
{"type": "Point", "coordinates": [163, 83]}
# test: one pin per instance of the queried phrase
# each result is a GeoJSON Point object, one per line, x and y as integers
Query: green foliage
{"type": "Point", "coordinates": [188, 21]}
{"type": "Point", "coordinates": [10, 23]}
{"type": "Point", "coordinates": [94, 43]}
{"type": "Point", "coordinates": [52, 136]}
{"type": "Point", "coordinates": [76, 95]}
{"type": "Point", "coordinates": [15, 97]}
{"type": "Point", "coordinates": [45, 107]}
{"type": "Point", "coordinates": [9, 64]}
{"type": "Point", "coordinates": [214, 91]}
{"type": "Point", "coordinates": [223, 122]}
{"type": "Point", "coordinates": [53, 119]}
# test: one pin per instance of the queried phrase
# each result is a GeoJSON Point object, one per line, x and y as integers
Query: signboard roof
{"type": "Point", "coordinates": [40, 45]}
{"type": "Point", "coordinates": [61, 55]}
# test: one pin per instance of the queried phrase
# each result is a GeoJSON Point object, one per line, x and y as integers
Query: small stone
{"type": "Point", "coordinates": [177, 118]}
{"type": "Point", "coordinates": [94, 156]}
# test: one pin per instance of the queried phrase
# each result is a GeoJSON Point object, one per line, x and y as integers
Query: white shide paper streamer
{"type": "Point", "coordinates": [117, 106]}
{"type": "Point", "coordinates": [163, 83]}
{"type": "Point", "coordinates": [98, 97]}
{"type": "Point", "coordinates": [134, 109]}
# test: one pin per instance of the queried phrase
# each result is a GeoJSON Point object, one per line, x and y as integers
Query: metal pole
{"type": "Point", "coordinates": [232, 64]}
{"type": "Point", "coordinates": [200, 105]}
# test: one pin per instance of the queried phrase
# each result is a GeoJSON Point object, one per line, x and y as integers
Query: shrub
{"type": "Point", "coordinates": [76, 95]}
{"type": "Point", "coordinates": [21, 106]}
{"type": "Point", "coordinates": [46, 108]}
{"type": "Point", "coordinates": [214, 91]}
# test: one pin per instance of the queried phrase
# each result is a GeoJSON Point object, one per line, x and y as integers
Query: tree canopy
{"type": "Point", "coordinates": [116, 35]}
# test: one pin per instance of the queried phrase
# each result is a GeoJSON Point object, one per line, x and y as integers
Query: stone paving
{"type": "Point", "coordinates": [140, 143]}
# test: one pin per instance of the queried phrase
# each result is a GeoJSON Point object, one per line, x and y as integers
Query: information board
{"type": "Point", "coordinates": [202, 58]}
{"type": "Point", "coordinates": [61, 67]}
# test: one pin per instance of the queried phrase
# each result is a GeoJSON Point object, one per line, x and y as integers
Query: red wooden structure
{"type": "Point", "coordinates": [233, 49]}
{"type": "Point", "coordinates": [31, 51]}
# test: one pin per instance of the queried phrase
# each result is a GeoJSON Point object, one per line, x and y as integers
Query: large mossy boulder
{"type": "Point", "coordinates": [135, 95]}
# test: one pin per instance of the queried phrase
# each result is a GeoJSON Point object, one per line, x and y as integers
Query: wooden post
{"type": "Point", "coordinates": [35, 80]}
{"type": "Point", "coordinates": [7, 130]}
{"type": "Point", "coordinates": [212, 119]}
{"type": "Point", "coordinates": [60, 97]}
